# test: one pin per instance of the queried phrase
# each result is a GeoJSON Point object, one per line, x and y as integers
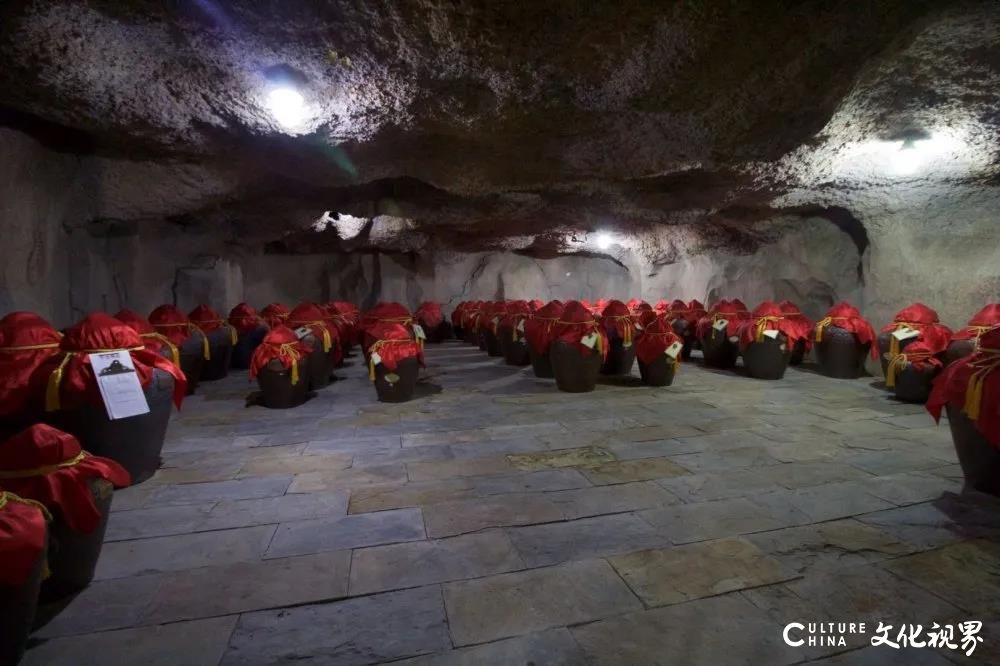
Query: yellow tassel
{"type": "Point", "coordinates": [893, 346]}
{"type": "Point", "coordinates": [295, 372]}
{"type": "Point", "coordinates": [232, 334]}
{"type": "Point", "coordinates": [974, 396]}
{"type": "Point", "coordinates": [821, 326]}
{"type": "Point", "coordinates": [628, 332]}
{"type": "Point", "coordinates": [371, 368]}
{"type": "Point", "coordinates": [206, 351]}
{"type": "Point", "coordinates": [55, 381]}
{"type": "Point", "coordinates": [327, 343]}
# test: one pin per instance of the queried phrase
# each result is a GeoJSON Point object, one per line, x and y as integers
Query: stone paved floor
{"type": "Point", "coordinates": [497, 521]}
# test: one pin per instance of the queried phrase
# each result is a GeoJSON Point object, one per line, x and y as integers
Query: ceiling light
{"type": "Point", "coordinates": [287, 106]}
{"type": "Point", "coordinates": [603, 241]}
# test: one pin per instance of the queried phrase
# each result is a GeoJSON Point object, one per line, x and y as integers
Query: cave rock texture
{"type": "Point", "coordinates": [804, 149]}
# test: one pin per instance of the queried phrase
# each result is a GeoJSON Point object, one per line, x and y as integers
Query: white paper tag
{"type": "Point", "coordinates": [626, 345]}
{"type": "Point", "coordinates": [496, 321]}
{"type": "Point", "coordinates": [734, 339]}
{"type": "Point", "coordinates": [302, 331]}
{"type": "Point", "coordinates": [520, 325]}
{"type": "Point", "coordinates": [638, 327]}
{"type": "Point", "coordinates": [376, 359]}
{"type": "Point", "coordinates": [589, 340]}
{"type": "Point", "coordinates": [771, 334]}
{"type": "Point", "coordinates": [418, 331]}
{"type": "Point", "coordinates": [905, 333]}
{"type": "Point", "coordinates": [720, 325]}
{"type": "Point", "coordinates": [674, 349]}
{"type": "Point", "coordinates": [119, 384]}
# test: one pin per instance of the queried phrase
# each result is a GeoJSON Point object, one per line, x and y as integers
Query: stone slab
{"type": "Point", "coordinates": [471, 515]}
{"type": "Point", "coordinates": [377, 628]}
{"type": "Point", "coordinates": [583, 456]}
{"type": "Point", "coordinates": [687, 523]}
{"type": "Point", "coordinates": [403, 565]}
{"type": "Point", "coordinates": [353, 531]}
{"type": "Point", "coordinates": [626, 471]}
{"type": "Point", "coordinates": [512, 604]}
{"type": "Point", "coordinates": [543, 545]}
{"type": "Point", "coordinates": [555, 647]}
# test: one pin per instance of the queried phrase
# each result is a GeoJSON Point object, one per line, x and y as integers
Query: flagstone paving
{"type": "Point", "coordinates": [498, 521]}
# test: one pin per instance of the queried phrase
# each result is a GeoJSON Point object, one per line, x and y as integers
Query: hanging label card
{"type": "Point", "coordinates": [905, 333]}
{"type": "Point", "coordinates": [376, 359]}
{"type": "Point", "coordinates": [589, 340]}
{"type": "Point", "coordinates": [638, 327]}
{"type": "Point", "coordinates": [302, 331]}
{"type": "Point", "coordinates": [520, 325]}
{"type": "Point", "coordinates": [674, 349]}
{"type": "Point", "coordinates": [720, 325]}
{"type": "Point", "coordinates": [734, 339]}
{"type": "Point", "coordinates": [771, 334]}
{"type": "Point", "coordinates": [119, 384]}
{"type": "Point", "coordinates": [418, 331]}
{"type": "Point", "coordinates": [496, 321]}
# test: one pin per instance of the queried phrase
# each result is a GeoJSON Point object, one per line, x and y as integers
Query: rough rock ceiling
{"type": "Point", "coordinates": [504, 124]}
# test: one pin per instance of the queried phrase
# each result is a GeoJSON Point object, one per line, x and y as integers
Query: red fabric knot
{"type": "Point", "coordinates": [429, 314]}
{"type": "Point", "coordinates": [23, 532]}
{"type": "Point", "coordinates": [538, 329]}
{"type": "Point", "coordinates": [244, 318]}
{"type": "Point", "coordinates": [275, 314]}
{"type": "Point", "coordinates": [47, 465]}
{"type": "Point", "coordinates": [980, 322]}
{"type": "Point", "coordinates": [655, 339]}
{"type": "Point", "coordinates": [26, 342]}
{"type": "Point", "coordinates": [170, 322]}
{"type": "Point", "coordinates": [75, 385]}
{"type": "Point", "coordinates": [279, 344]}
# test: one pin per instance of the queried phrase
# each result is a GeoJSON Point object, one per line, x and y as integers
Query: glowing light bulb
{"type": "Point", "coordinates": [287, 106]}
{"type": "Point", "coordinates": [603, 241]}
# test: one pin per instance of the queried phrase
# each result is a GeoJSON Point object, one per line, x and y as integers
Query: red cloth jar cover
{"type": "Point", "coordinates": [576, 323]}
{"type": "Point", "coordinates": [920, 318]}
{"type": "Point", "coordinates": [208, 320]}
{"type": "Point", "coordinates": [175, 326]}
{"type": "Point", "coordinates": [646, 317]}
{"type": "Point", "coordinates": [67, 380]}
{"type": "Point", "coordinates": [22, 537]}
{"type": "Point", "coordinates": [47, 465]}
{"type": "Point", "coordinates": [393, 343]}
{"type": "Point", "coordinates": [678, 310]}
{"type": "Point", "coordinates": [981, 322]}
{"type": "Point", "coordinates": [921, 354]}
{"type": "Point", "coordinates": [633, 304]}
{"type": "Point", "coordinates": [26, 342]}
{"type": "Point", "coordinates": [343, 319]}
{"type": "Point", "coordinates": [472, 315]}
{"type": "Point", "coordinates": [429, 314]}
{"type": "Point", "coordinates": [617, 319]}
{"type": "Point", "coordinates": [283, 345]}
{"type": "Point", "coordinates": [393, 313]}
{"type": "Point", "coordinates": [846, 316]}
{"type": "Point", "coordinates": [154, 341]}
{"type": "Point", "coordinates": [275, 314]}
{"type": "Point", "coordinates": [734, 312]}
{"type": "Point", "coordinates": [458, 313]}
{"type": "Point", "coordinates": [662, 306]}
{"type": "Point", "coordinates": [972, 384]}
{"type": "Point", "coordinates": [516, 312]}
{"type": "Point", "coordinates": [695, 311]}
{"type": "Point", "coordinates": [311, 316]}
{"type": "Point", "coordinates": [536, 304]}
{"type": "Point", "coordinates": [244, 318]}
{"type": "Point", "coordinates": [494, 314]}
{"type": "Point", "coordinates": [768, 316]}
{"type": "Point", "coordinates": [538, 329]}
{"type": "Point", "coordinates": [794, 315]}
{"type": "Point", "coordinates": [654, 341]}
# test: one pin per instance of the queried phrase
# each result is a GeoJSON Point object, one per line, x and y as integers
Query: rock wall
{"type": "Point", "coordinates": [62, 256]}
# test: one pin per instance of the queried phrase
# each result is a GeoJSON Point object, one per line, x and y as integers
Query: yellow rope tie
{"type": "Point", "coordinates": [175, 353]}
{"type": "Point", "coordinates": [627, 324]}
{"type": "Point", "coordinates": [988, 362]}
{"type": "Point", "coordinates": [52, 402]}
{"type": "Point", "coordinates": [375, 347]}
{"type": "Point", "coordinates": [822, 324]}
{"type": "Point", "coordinates": [289, 348]}
{"type": "Point", "coordinates": [899, 363]}
{"type": "Point", "coordinates": [45, 469]}
{"type": "Point", "coordinates": [50, 345]}
{"type": "Point", "coordinates": [7, 496]}
{"type": "Point", "coordinates": [762, 323]}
